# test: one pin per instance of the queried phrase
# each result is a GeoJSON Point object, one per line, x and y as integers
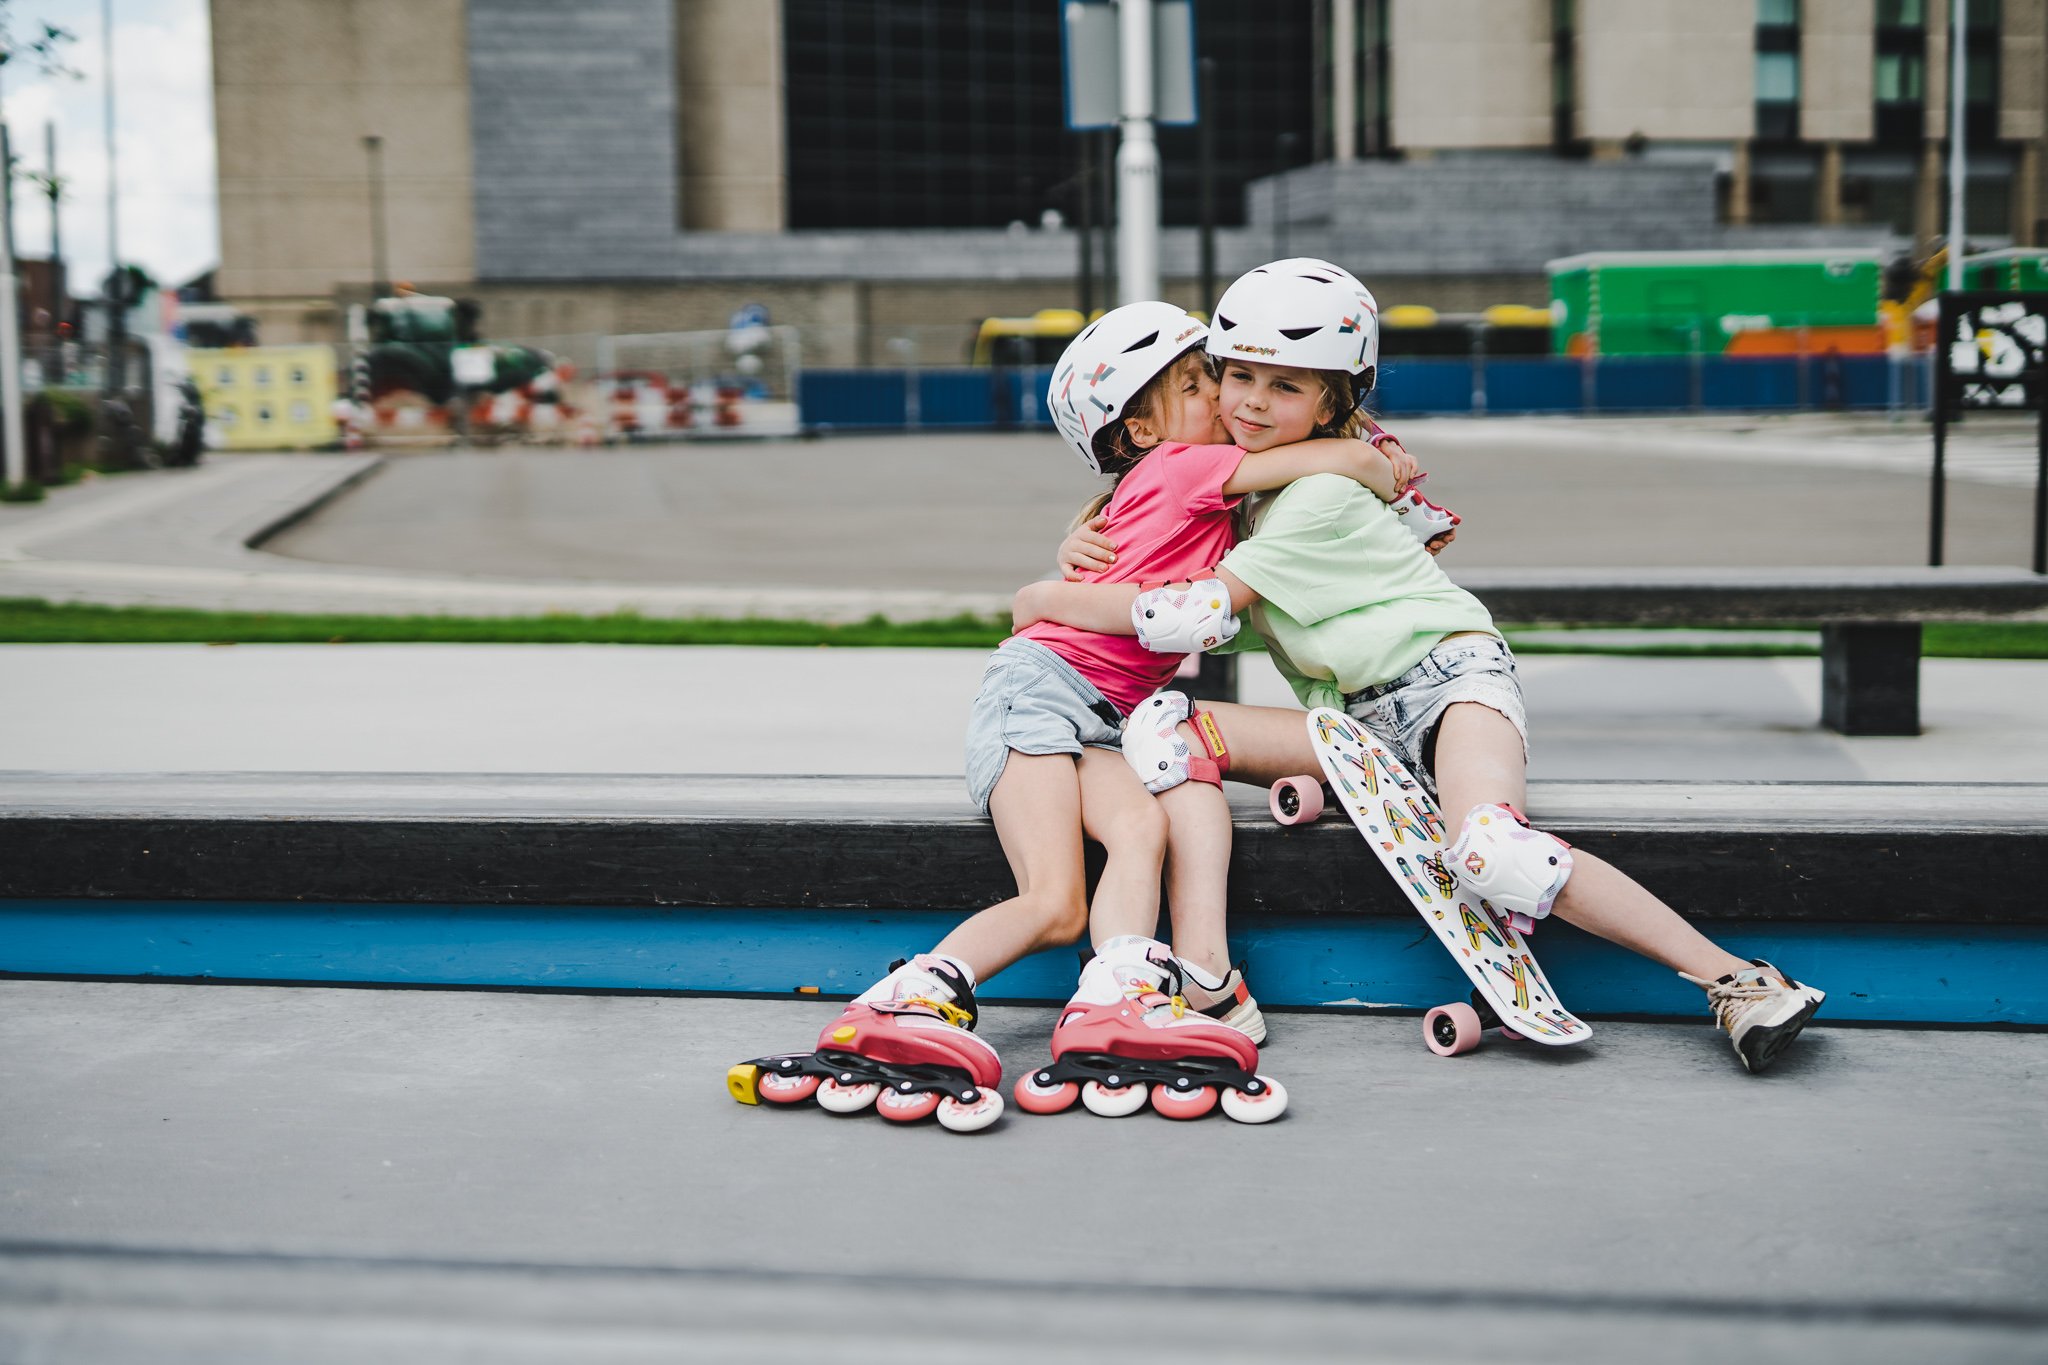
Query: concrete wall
{"type": "Point", "coordinates": [1837, 59]}
{"type": "Point", "coordinates": [729, 115]}
{"type": "Point", "coordinates": [297, 85]}
{"type": "Point", "coordinates": [1507, 214]}
{"type": "Point", "coordinates": [572, 116]}
{"type": "Point", "coordinates": [1469, 73]}
{"type": "Point", "coordinates": [1669, 69]}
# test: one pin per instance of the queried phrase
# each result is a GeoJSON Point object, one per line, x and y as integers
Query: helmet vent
{"type": "Point", "coordinates": [1319, 279]}
{"type": "Point", "coordinates": [1225, 323]}
{"type": "Point", "coordinates": [1142, 342]}
{"type": "Point", "coordinates": [1300, 333]}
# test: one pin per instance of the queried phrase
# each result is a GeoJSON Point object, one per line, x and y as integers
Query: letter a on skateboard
{"type": "Point", "coordinates": [1404, 828]}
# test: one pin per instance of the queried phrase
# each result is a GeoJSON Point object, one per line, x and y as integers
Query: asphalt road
{"type": "Point", "coordinates": [984, 512]}
{"type": "Point", "coordinates": [239, 1174]}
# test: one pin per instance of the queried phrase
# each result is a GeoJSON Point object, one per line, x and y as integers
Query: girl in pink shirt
{"type": "Point", "coordinates": [1134, 397]}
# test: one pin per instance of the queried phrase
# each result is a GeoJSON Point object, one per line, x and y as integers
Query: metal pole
{"type": "Point", "coordinates": [2041, 471]}
{"type": "Point", "coordinates": [380, 277]}
{"type": "Point", "coordinates": [117, 302]}
{"type": "Point", "coordinates": [1937, 495]}
{"type": "Point", "coordinates": [1137, 159]}
{"type": "Point", "coordinates": [10, 340]}
{"type": "Point", "coordinates": [1207, 94]}
{"type": "Point", "coordinates": [1958, 50]}
{"type": "Point", "coordinates": [1344, 81]}
{"type": "Point", "coordinates": [56, 237]}
{"type": "Point", "coordinates": [1086, 180]}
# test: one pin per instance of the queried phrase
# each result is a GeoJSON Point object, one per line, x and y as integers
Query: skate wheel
{"type": "Point", "coordinates": [1112, 1103]}
{"type": "Point", "coordinates": [847, 1099]}
{"type": "Point", "coordinates": [1509, 1034]}
{"type": "Point", "coordinates": [900, 1107]}
{"type": "Point", "coordinates": [1056, 1098]}
{"type": "Point", "coordinates": [1269, 1104]}
{"type": "Point", "coordinates": [779, 1088]}
{"type": "Point", "coordinates": [1183, 1104]}
{"type": "Point", "coordinates": [986, 1108]}
{"type": "Point", "coordinates": [1452, 1029]}
{"type": "Point", "coordinates": [1296, 800]}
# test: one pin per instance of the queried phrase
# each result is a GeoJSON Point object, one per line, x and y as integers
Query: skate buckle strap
{"type": "Point", "coordinates": [946, 1010]}
{"type": "Point", "coordinates": [1141, 991]}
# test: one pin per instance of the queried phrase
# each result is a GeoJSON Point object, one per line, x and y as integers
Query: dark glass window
{"type": "Point", "coordinates": [1777, 70]}
{"type": "Point", "coordinates": [935, 113]}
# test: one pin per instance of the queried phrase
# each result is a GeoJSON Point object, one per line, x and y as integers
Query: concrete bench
{"type": "Point", "coordinates": [1915, 900]}
{"type": "Point", "coordinates": [1869, 618]}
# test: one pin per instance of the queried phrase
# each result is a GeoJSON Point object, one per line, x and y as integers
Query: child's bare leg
{"type": "Point", "coordinates": [1266, 743]}
{"type": "Point", "coordinates": [1037, 810]}
{"type": "Point", "coordinates": [1197, 873]}
{"type": "Point", "coordinates": [1479, 761]}
{"type": "Point", "coordinates": [1127, 821]}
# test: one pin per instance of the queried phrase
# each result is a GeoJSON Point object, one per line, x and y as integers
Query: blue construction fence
{"type": "Point", "coordinates": [997, 399]}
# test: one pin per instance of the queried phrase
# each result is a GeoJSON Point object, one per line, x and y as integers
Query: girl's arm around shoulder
{"type": "Point", "coordinates": [1355, 460]}
{"type": "Point", "coordinates": [1104, 608]}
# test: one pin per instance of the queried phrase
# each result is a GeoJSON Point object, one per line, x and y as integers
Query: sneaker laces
{"type": "Point", "coordinates": [1731, 997]}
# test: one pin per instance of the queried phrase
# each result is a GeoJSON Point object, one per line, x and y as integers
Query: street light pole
{"type": "Point", "coordinates": [1137, 160]}
{"type": "Point", "coordinates": [380, 283]}
{"type": "Point", "coordinates": [117, 284]}
{"type": "Point", "coordinates": [1958, 43]}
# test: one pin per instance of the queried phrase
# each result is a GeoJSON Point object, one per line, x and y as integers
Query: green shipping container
{"type": "Point", "coordinates": [2020, 267]}
{"type": "Point", "coordinates": [1671, 302]}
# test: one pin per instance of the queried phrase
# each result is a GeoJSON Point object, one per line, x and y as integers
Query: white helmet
{"type": "Point", "coordinates": [1303, 312]}
{"type": "Point", "coordinates": [1104, 367]}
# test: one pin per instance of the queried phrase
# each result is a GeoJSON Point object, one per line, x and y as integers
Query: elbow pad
{"type": "Point", "coordinates": [1184, 620]}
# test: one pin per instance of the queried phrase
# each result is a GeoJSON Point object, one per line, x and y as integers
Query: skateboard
{"type": "Point", "coordinates": [1405, 830]}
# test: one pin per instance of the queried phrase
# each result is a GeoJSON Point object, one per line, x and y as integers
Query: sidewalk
{"type": "Point", "coordinates": [244, 1174]}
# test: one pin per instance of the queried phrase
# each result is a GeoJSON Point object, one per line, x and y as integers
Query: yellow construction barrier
{"type": "Point", "coordinates": [267, 397]}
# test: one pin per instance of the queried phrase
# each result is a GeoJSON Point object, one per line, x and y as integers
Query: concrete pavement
{"type": "Point", "coordinates": [718, 709]}
{"type": "Point", "coordinates": [921, 526]}
{"type": "Point", "coordinates": [242, 1174]}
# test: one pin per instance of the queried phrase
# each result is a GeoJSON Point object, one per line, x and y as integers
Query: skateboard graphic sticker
{"type": "Point", "coordinates": [1405, 830]}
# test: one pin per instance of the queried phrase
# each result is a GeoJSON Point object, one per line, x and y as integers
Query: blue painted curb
{"type": "Point", "coordinates": [1977, 974]}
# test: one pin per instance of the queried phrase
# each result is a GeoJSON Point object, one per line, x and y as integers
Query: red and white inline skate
{"type": "Point", "coordinates": [906, 1046]}
{"type": "Point", "coordinates": [1128, 1036]}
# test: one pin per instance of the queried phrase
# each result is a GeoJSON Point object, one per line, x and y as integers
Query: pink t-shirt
{"type": "Point", "coordinates": [1168, 517]}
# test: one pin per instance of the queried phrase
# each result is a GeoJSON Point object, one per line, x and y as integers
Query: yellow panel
{"type": "Point", "coordinates": [269, 397]}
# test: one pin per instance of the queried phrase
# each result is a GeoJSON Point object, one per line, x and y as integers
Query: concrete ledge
{"type": "Point", "coordinates": [1904, 901]}
{"type": "Point", "coordinates": [1891, 853]}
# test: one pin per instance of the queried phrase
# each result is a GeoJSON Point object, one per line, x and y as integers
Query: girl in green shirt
{"type": "Point", "coordinates": [1358, 616]}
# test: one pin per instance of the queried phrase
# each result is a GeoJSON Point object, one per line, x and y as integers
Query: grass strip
{"type": "Point", "coordinates": [29, 621]}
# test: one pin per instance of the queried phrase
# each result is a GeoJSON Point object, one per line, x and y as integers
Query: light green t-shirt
{"type": "Point", "coordinates": [1349, 596]}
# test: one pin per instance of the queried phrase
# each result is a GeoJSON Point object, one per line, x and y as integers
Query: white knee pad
{"type": "Point", "coordinates": [1159, 756]}
{"type": "Point", "coordinates": [1184, 620]}
{"type": "Point", "coordinates": [1499, 858]}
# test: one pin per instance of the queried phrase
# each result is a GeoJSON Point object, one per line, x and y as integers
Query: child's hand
{"type": "Point", "coordinates": [1436, 546]}
{"type": "Point", "coordinates": [1086, 550]}
{"type": "Point", "coordinates": [1406, 470]}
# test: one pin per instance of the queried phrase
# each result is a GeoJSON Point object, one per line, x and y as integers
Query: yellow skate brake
{"type": "Point", "coordinates": [743, 1082]}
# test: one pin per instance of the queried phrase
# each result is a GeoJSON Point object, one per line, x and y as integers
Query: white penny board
{"type": "Point", "coordinates": [1405, 830]}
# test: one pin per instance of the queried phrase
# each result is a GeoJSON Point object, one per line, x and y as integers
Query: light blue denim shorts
{"type": "Point", "coordinates": [1031, 700]}
{"type": "Point", "coordinates": [1404, 713]}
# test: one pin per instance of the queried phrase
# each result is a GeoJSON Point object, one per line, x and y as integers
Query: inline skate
{"type": "Point", "coordinates": [1128, 1036]}
{"type": "Point", "coordinates": [906, 1046]}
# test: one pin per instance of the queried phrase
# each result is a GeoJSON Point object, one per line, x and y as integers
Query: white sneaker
{"type": "Point", "coordinates": [1227, 1001]}
{"type": "Point", "coordinates": [1761, 1008]}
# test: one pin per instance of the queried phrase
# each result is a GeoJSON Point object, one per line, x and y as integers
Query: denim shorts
{"type": "Point", "coordinates": [1031, 700]}
{"type": "Point", "coordinates": [1404, 713]}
